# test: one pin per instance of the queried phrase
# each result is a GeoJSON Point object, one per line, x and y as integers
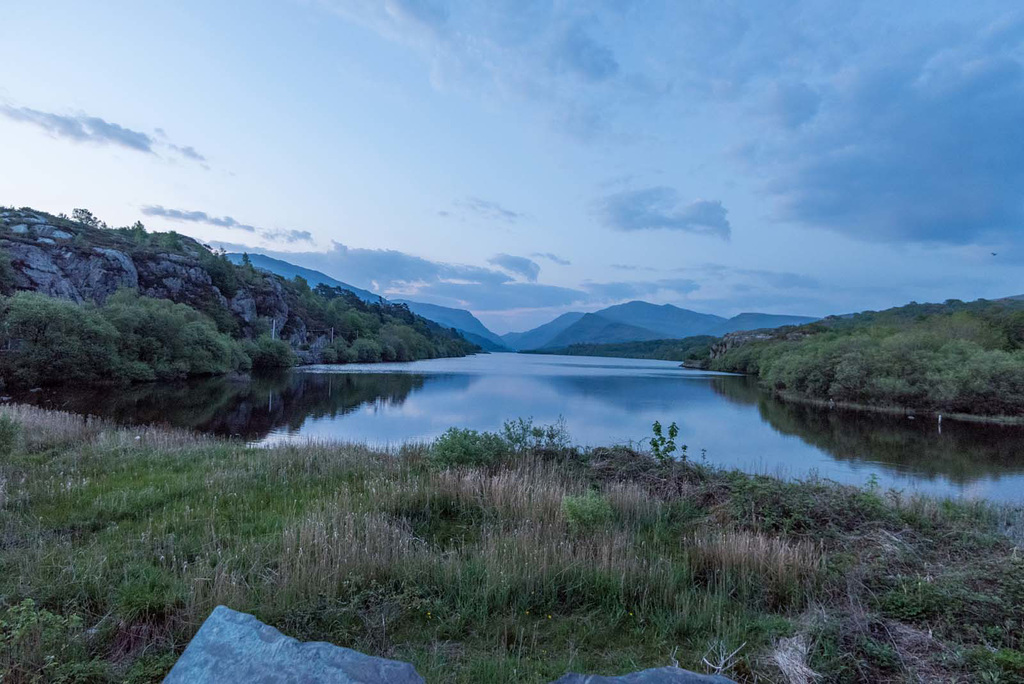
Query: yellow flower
{"type": "Point", "coordinates": [549, 617]}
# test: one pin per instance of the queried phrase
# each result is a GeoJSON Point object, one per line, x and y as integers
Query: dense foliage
{"type": "Point", "coordinates": [130, 338]}
{"type": "Point", "coordinates": [954, 357]}
{"type": "Point", "coordinates": [687, 349]}
{"type": "Point", "coordinates": [371, 332]}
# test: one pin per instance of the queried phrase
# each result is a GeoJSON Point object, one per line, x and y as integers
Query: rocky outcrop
{"type": "Point", "coordinates": [236, 647]}
{"type": "Point", "coordinates": [738, 339]}
{"type": "Point", "coordinates": [65, 261]}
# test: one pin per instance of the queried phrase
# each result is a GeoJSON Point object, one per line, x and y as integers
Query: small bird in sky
{"type": "Point", "coordinates": [993, 253]}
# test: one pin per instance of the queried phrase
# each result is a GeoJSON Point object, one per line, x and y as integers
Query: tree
{"type": "Point", "coordinates": [86, 217]}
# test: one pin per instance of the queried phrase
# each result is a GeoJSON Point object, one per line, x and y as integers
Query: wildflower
{"type": "Point", "coordinates": [549, 617]}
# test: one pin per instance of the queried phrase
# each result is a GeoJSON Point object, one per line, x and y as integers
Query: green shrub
{"type": "Point", "coordinates": [10, 431]}
{"type": "Point", "coordinates": [266, 353]}
{"type": "Point", "coordinates": [39, 646]}
{"type": "Point", "coordinates": [467, 447]}
{"type": "Point", "coordinates": [522, 435]}
{"type": "Point", "coordinates": [588, 512]}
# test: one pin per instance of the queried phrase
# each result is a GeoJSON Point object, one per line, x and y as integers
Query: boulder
{"type": "Point", "coordinates": [657, 675]}
{"type": "Point", "coordinates": [236, 647]}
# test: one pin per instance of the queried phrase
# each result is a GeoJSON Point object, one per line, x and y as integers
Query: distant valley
{"type": "Point", "coordinates": [635, 321]}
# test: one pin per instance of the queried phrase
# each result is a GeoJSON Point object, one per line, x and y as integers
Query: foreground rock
{"type": "Point", "coordinates": [657, 675]}
{"type": "Point", "coordinates": [236, 647]}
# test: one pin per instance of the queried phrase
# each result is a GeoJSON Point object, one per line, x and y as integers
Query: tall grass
{"type": "Point", "coordinates": [474, 572]}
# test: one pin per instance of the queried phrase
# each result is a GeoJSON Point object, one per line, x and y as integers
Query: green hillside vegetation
{"type": "Point", "coordinates": [688, 349]}
{"type": "Point", "coordinates": [954, 357]}
{"type": "Point", "coordinates": [130, 337]}
{"type": "Point", "coordinates": [484, 558]}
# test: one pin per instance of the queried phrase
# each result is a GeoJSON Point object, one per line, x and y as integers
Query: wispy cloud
{"type": "Point", "coordinates": [486, 209]}
{"type": "Point", "coordinates": [193, 216]}
{"type": "Point", "coordinates": [81, 128]}
{"type": "Point", "coordinates": [93, 129]}
{"type": "Point", "coordinates": [660, 208]}
{"type": "Point", "coordinates": [552, 257]}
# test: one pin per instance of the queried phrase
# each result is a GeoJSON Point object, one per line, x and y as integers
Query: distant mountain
{"type": "Point", "coordinates": [638, 322]}
{"type": "Point", "coordinates": [757, 321]}
{"type": "Point", "coordinates": [289, 271]}
{"type": "Point", "coordinates": [541, 335]}
{"type": "Point", "coordinates": [596, 329]}
{"type": "Point", "coordinates": [667, 320]}
{"type": "Point", "coordinates": [460, 319]}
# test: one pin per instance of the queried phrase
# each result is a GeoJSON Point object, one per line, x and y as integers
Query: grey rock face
{"type": "Point", "coordinates": [236, 647]}
{"type": "Point", "coordinates": [658, 675]}
{"type": "Point", "coordinates": [19, 229]}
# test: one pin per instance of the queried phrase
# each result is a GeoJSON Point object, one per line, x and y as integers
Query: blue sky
{"type": "Point", "coordinates": [522, 158]}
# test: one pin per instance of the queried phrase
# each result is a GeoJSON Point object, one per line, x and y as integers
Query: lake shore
{"type": "Point", "coordinates": [871, 408]}
{"type": "Point", "coordinates": [487, 559]}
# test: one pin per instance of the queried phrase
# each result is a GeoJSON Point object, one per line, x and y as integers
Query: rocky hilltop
{"type": "Point", "coordinates": [85, 261]}
{"type": "Point", "coordinates": [63, 258]}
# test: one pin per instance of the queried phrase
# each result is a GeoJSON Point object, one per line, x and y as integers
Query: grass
{"type": "Point", "coordinates": [516, 563]}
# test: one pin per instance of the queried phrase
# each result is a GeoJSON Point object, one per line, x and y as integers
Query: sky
{"type": "Point", "coordinates": [524, 158]}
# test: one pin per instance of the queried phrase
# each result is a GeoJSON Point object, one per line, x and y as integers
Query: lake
{"type": "Point", "coordinates": [723, 418]}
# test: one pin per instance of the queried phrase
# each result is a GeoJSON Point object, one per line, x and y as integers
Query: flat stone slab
{"type": "Point", "coordinates": [236, 647]}
{"type": "Point", "coordinates": [657, 675]}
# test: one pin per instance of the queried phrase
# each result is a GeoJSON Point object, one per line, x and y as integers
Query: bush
{"type": "Point", "coordinates": [366, 350]}
{"type": "Point", "coordinates": [522, 435]}
{"type": "Point", "coordinates": [588, 512]}
{"type": "Point", "coordinates": [266, 353]}
{"type": "Point", "coordinates": [467, 447]}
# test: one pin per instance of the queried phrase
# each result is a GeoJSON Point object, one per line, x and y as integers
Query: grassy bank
{"type": "Point", "coordinates": [487, 558]}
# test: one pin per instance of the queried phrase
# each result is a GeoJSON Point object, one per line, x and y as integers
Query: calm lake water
{"type": "Point", "coordinates": [603, 401]}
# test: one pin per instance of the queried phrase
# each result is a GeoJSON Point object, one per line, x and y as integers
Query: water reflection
{"type": "Point", "coordinates": [962, 452]}
{"type": "Point", "coordinates": [602, 400]}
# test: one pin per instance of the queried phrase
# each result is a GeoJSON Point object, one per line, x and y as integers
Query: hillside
{"type": "Point", "coordinates": [596, 329]}
{"type": "Point", "coordinates": [465, 322]}
{"type": "Point", "coordinates": [460, 319]}
{"type": "Point", "coordinates": [185, 311]}
{"type": "Point", "coordinates": [757, 321]}
{"type": "Point", "coordinates": [953, 357]}
{"type": "Point", "coordinates": [288, 271]}
{"type": "Point", "coordinates": [541, 335]}
{"type": "Point", "coordinates": [667, 320]}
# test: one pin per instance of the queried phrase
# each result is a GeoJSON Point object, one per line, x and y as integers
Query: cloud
{"type": "Point", "coordinates": [486, 209]}
{"type": "Point", "coordinates": [81, 128]}
{"type": "Point", "coordinates": [527, 268]}
{"type": "Point", "coordinates": [658, 208]}
{"type": "Point", "coordinates": [84, 128]}
{"type": "Point", "coordinates": [188, 152]}
{"type": "Point", "coordinates": [558, 55]}
{"type": "Point", "coordinates": [272, 234]}
{"type": "Point", "coordinates": [920, 143]}
{"type": "Point", "coordinates": [552, 257]}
